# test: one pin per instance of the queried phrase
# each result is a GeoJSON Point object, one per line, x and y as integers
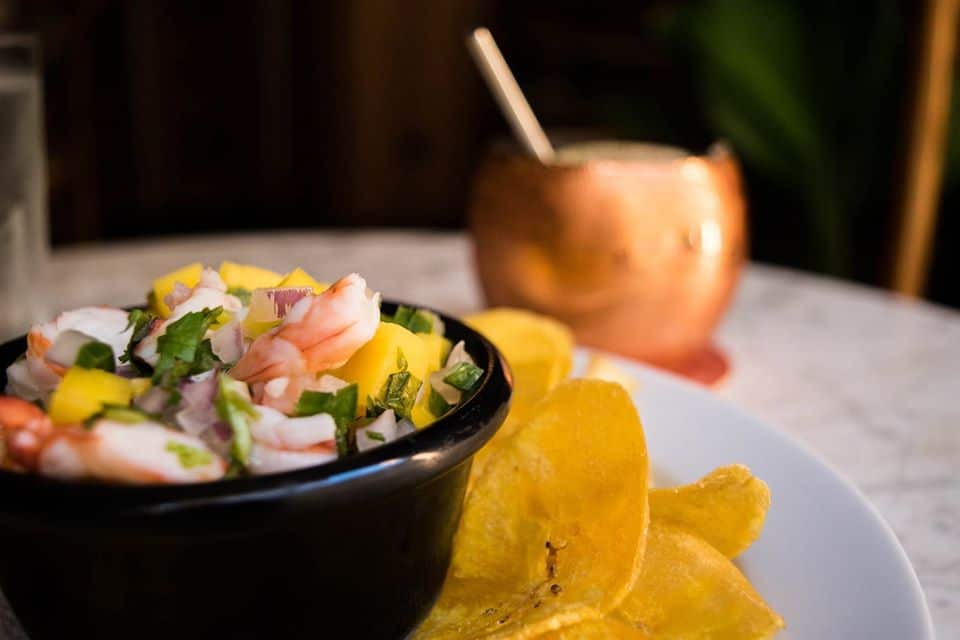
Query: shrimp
{"type": "Point", "coordinates": [266, 459]}
{"type": "Point", "coordinates": [23, 429]}
{"type": "Point", "coordinates": [210, 293]}
{"type": "Point", "coordinates": [318, 333]}
{"type": "Point", "coordinates": [147, 452]}
{"type": "Point", "coordinates": [109, 450]}
{"type": "Point", "coordinates": [38, 374]}
{"type": "Point", "coordinates": [282, 394]}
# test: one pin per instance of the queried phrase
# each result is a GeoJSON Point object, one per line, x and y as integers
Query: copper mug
{"type": "Point", "coordinates": [638, 247]}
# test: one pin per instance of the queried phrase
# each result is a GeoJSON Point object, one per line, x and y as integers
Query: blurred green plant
{"type": "Point", "coordinates": [810, 94]}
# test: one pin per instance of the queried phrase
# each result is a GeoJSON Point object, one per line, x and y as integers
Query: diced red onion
{"type": "Point", "coordinates": [269, 305]}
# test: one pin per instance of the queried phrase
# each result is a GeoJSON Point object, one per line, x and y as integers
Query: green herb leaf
{"type": "Point", "coordinates": [399, 393]}
{"type": "Point", "coordinates": [241, 292]}
{"type": "Point", "coordinates": [375, 435]}
{"type": "Point", "coordinates": [437, 404]}
{"type": "Point", "coordinates": [463, 376]}
{"type": "Point", "coordinates": [341, 406]}
{"type": "Point", "coordinates": [182, 349]}
{"type": "Point", "coordinates": [96, 355]}
{"type": "Point", "coordinates": [415, 320]}
{"type": "Point", "coordinates": [189, 457]}
{"type": "Point", "coordinates": [141, 321]}
{"type": "Point", "coordinates": [234, 408]}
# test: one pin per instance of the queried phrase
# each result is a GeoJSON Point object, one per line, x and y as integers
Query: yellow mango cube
{"type": "Point", "coordinates": [163, 286]}
{"type": "Point", "coordinates": [421, 415]}
{"type": "Point", "coordinates": [83, 392]}
{"type": "Point", "coordinates": [300, 278]}
{"type": "Point", "coordinates": [247, 276]}
{"type": "Point", "coordinates": [139, 386]}
{"type": "Point", "coordinates": [375, 361]}
{"type": "Point", "coordinates": [438, 348]}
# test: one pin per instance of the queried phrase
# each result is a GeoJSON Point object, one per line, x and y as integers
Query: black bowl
{"type": "Point", "coordinates": [357, 548]}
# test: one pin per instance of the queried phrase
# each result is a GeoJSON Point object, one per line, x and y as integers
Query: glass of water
{"type": "Point", "coordinates": [23, 185]}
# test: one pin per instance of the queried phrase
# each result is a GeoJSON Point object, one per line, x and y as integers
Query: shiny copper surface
{"type": "Point", "coordinates": [640, 255]}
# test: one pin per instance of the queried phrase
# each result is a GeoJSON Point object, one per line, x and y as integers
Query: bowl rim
{"type": "Point", "coordinates": [409, 460]}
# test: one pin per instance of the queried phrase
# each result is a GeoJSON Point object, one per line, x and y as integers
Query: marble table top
{"type": "Point", "coordinates": [868, 380]}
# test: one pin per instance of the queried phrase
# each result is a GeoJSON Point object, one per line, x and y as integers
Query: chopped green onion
{"type": "Point", "coordinates": [96, 355]}
{"type": "Point", "coordinates": [436, 403]}
{"type": "Point", "coordinates": [189, 457]}
{"type": "Point", "coordinates": [234, 408]}
{"type": "Point", "coordinates": [463, 376]}
{"type": "Point", "coordinates": [119, 413]}
{"type": "Point", "coordinates": [375, 435]}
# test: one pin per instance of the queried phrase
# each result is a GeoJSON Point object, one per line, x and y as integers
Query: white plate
{"type": "Point", "coordinates": [827, 562]}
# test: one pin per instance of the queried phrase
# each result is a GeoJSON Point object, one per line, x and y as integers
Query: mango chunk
{"type": "Point", "coordinates": [163, 286]}
{"type": "Point", "coordinates": [438, 348]}
{"type": "Point", "coordinates": [139, 386]}
{"type": "Point", "coordinates": [370, 366]}
{"type": "Point", "coordinates": [83, 392]}
{"type": "Point", "coordinates": [300, 278]}
{"type": "Point", "coordinates": [247, 276]}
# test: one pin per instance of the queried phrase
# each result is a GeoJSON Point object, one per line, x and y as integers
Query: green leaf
{"type": "Point", "coordinates": [399, 393]}
{"type": "Point", "coordinates": [234, 408]}
{"type": "Point", "coordinates": [182, 349]}
{"type": "Point", "coordinates": [341, 405]}
{"type": "Point", "coordinates": [375, 435]}
{"type": "Point", "coordinates": [464, 376]}
{"type": "Point", "coordinates": [437, 404]}
{"type": "Point", "coordinates": [141, 321]}
{"type": "Point", "coordinates": [414, 320]}
{"type": "Point", "coordinates": [188, 456]}
{"type": "Point", "coordinates": [241, 292]}
{"type": "Point", "coordinates": [96, 355]}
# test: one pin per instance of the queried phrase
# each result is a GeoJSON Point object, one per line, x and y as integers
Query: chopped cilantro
{"type": "Point", "coordinates": [234, 407]}
{"type": "Point", "coordinates": [141, 321]}
{"type": "Point", "coordinates": [341, 406]}
{"type": "Point", "coordinates": [437, 404]}
{"type": "Point", "coordinates": [96, 355]}
{"type": "Point", "coordinates": [463, 376]}
{"type": "Point", "coordinates": [375, 435]}
{"type": "Point", "coordinates": [182, 348]}
{"type": "Point", "coordinates": [242, 293]}
{"type": "Point", "coordinates": [399, 393]}
{"type": "Point", "coordinates": [415, 320]}
{"type": "Point", "coordinates": [189, 457]}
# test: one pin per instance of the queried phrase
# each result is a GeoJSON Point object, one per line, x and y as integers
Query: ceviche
{"type": "Point", "coordinates": [226, 372]}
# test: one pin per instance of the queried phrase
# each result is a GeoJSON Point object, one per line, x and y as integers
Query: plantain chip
{"type": "Point", "coordinates": [688, 590]}
{"type": "Point", "coordinates": [603, 367]}
{"type": "Point", "coordinates": [554, 529]}
{"type": "Point", "coordinates": [727, 508]}
{"type": "Point", "coordinates": [603, 629]}
{"type": "Point", "coordinates": [522, 407]}
{"type": "Point", "coordinates": [538, 349]}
